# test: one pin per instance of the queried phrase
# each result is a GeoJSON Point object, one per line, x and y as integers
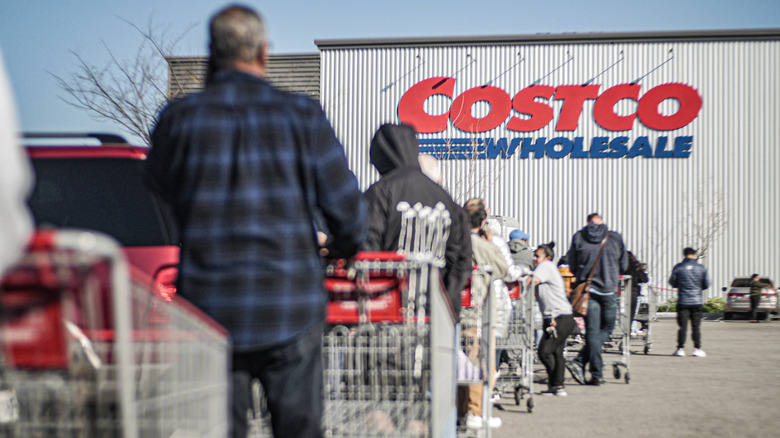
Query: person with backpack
{"type": "Point", "coordinates": [597, 255]}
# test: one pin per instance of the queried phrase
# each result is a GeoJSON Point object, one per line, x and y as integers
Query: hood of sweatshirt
{"type": "Point", "coordinates": [394, 147]}
{"type": "Point", "coordinates": [517, 245]}
{"type": "Point", "coordinates": [594, 233]}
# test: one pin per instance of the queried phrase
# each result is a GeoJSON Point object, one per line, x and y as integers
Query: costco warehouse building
{"type": "Point", "coordinates": [672, 137]}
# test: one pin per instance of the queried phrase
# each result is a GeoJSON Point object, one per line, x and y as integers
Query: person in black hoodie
{"type": "Point", "coordinates": [394, 153]}
{"type": "Point", "coordinates": [602, 305]}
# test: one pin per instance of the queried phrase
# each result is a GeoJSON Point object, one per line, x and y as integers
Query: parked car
{"type": "Point", "coordinates": [100, 187]}
{"type": "Point", "coordinates": [738, 298]}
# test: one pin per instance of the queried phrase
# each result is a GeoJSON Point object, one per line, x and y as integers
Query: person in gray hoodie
{"type": "Point", "coordinates": [602, 305]}
{"type": "Point", "coordinates": [521, 252]}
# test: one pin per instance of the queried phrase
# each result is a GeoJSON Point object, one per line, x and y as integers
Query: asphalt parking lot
{"type": "Point", "coordinates": [734, 391]}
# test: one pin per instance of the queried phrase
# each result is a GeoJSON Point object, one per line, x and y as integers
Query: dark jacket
{"type": "Point", "coordinates": [757, 287]}
{"type": "Point", "coordinates": [582, 254]}
{"type": "Point", "coordinates": [394, 153]}
{"type": "Point", "coordinates": [636, 270]}
{"type": "Point", "coordinates": [690, 278]}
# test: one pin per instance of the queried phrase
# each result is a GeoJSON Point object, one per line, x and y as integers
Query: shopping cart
{"type": "Point", "coordinates": [377, 368]}
{"type": "Point", "coordinates": [368, 290]}
{"type": "Point", "coordinates": [378, 379]}
{"type": "Point", "coordinates": [518, 348]}
{"type": "Point", "coordinates": [478, 341]}
{"type": "Point", "coordinates": [389, 324]}
{"type": "Point", "coordinates": [378, 349]}
{"type": "Point", "coordinates": [620, 338]}
{"type": "Point", "coordinates": [646, 316]}
{"type": "Point", "coordinates": [89, 349]}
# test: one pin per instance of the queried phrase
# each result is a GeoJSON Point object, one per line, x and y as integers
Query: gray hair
{"type": "Point", "coordinates": [237, 33]}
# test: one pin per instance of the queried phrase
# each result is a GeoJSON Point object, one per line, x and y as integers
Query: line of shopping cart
{"type": "Point", "coordinates": [390, 347]}
{"type": "Point", "coordinates": [89, 349]}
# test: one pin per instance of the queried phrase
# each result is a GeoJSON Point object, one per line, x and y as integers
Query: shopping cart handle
{"type": "Point", "coordinates": [42, 239]}
{"type": "Point", "coordinates": [392, 256]}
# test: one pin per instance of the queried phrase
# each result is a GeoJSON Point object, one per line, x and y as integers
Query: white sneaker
{"type": "Point", "coordinates": [473, 422]}
{"type": "Point", "coordinates": [496, 398]}
{"type": "Point", "coordinates": [679, 353]}
{"type": "Point", "coordinates": [698, 352]}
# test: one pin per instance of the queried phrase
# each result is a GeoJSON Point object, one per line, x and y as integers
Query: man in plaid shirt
{"type": "Point", "coordinates": [246, 168]}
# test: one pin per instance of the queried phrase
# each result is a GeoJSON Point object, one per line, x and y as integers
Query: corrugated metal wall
{"type": "Point", "coordinates": [658, 204]}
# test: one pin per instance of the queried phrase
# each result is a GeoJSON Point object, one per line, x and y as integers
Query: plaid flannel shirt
{"type": "Point", "coordinates": [245, 166]}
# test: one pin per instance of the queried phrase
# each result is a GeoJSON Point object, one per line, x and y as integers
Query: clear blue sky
{"type": "Point", "coordinates": [37, 36]}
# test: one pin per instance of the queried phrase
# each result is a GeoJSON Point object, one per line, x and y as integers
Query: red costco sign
{"type": "Point", "coordinates": [532, 113]}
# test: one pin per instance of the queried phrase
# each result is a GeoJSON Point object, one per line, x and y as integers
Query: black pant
{"type": "Point", "coordinates": [754, 300]}
{"type": "Point", "coordinates": [684, 313]}
{"type": "Point", "coordinates": [551, 349]}
{"type": "Point", "coordinates": [291, 376]}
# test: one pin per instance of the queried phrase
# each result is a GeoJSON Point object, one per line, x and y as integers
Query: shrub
{"type": "Point", "coordinates": [669, 306]}
{"type": "Point", "coordinates": [714, 305]}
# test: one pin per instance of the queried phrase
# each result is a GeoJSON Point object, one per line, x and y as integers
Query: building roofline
{"type": "Point", "coordinates": [562, 38]}
{"type": "Point", "coordinates": [270, 55]}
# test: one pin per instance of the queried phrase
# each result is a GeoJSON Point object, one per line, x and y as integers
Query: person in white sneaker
{"type": "Point", "coordinates": [484, 253]}
{"type": "Point", "coordinates": [690, 278]}
{"type": "Point", "coordinates": [556, 314]}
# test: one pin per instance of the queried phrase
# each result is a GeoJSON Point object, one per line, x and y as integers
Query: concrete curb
{"type": "Point", "coordinates": [707, 316]}
{"type": "Point", "coordinates": [673, 315]}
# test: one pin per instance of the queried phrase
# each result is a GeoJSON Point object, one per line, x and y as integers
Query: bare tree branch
{"type": "Point", "coordinates": [128, 92]}
{"type": "Point", "coordinates": [708, 217]}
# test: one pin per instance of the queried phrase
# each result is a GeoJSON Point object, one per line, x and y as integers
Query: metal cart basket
{"type": "Point", "coordinates": [518, 348]}
{"type": "Point", "coordinates": [89, 349]}
{"type": "Point", "coordinates": [621, 335]}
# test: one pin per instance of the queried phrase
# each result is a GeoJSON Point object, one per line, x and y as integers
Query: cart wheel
{"type": "Point", "coordinates": [530, 404]}
{"type": "Point", "coordinates": [628, 378]}
{"type": "Point", "coordinates": [518, 396]}
{"type": "Point", "coordinates": [616, 371]}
